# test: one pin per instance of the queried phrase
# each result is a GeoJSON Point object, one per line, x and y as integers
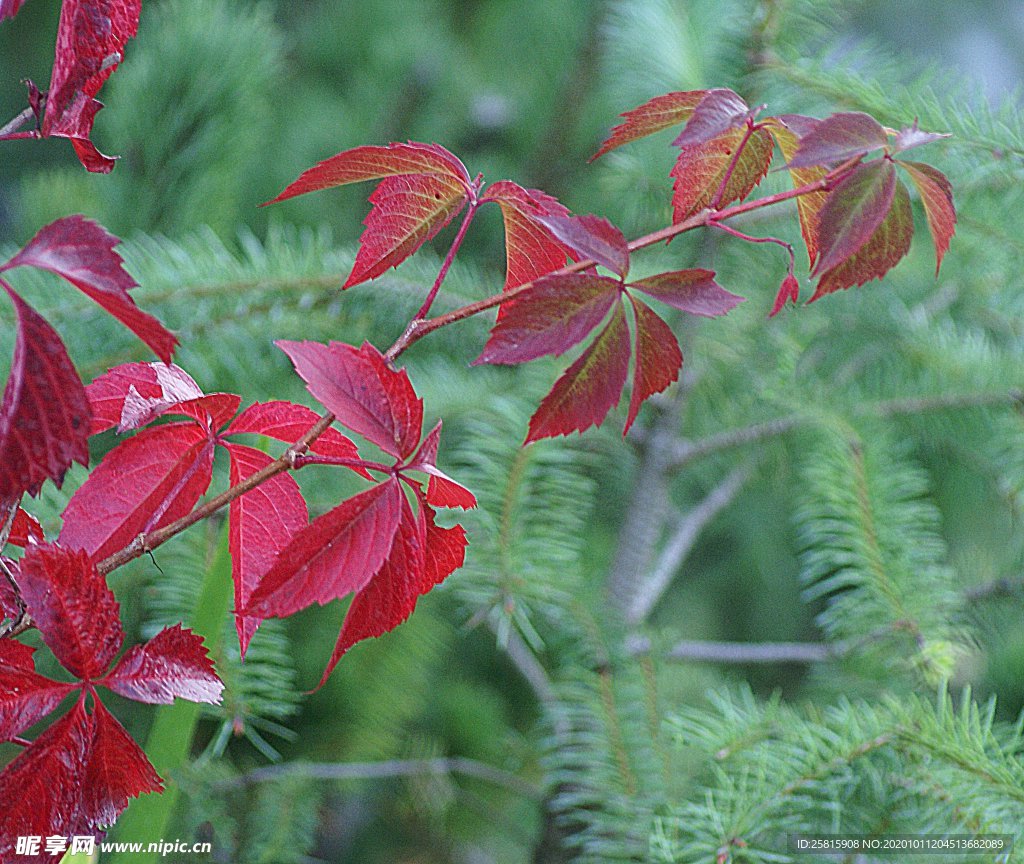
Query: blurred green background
{"type": "Point", "coordinates": [219, 104]}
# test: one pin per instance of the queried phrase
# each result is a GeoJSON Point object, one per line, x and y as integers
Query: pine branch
{"type": "Point", "coordinates": [690, 451]}
{"type": "Point", "coordinates": [651, 588]}
{"type": "Point", "coordinates": [757, 652]}
{"type": "Point", "coordinates": [646, 514]}
{"type": "Point", "coordinates": [382, 770]}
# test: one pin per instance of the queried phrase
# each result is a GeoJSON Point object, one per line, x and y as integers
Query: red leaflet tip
{"type": "Point", "coordinates": [789, 290]}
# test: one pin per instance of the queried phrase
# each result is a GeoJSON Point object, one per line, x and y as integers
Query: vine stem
{"type": "Point", "coordinates": [728, 229]}
{"type": "Point", "coordinates": [12, 127]}
{"type": "Point", "coordinates": [420, 327]}
{"type": "Point", "coordinates": [447, 263]}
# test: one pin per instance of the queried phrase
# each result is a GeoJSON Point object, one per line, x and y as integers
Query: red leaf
{"type": "Point", "coordinates": [211, 411]}
{"type": "Point", "coordinates": [9, 601]}
{"type": "Point", "coordinates": [391, 593]}
{"type": "Point", "coordinates": [657, 360]}
{"type": "Point", "coordinates": [589, 388]}
{"type": "Point", "coordinates": [144, 483]}
{"type": "Point", "coordinates": [838, 138]}
{"type": "Point", "coordinates": [75, 611]}
{"type": "Point", "coordinates": [422, 189]}
{"type": "Point", "coordinates": [90, 44]}
{"type": "Point", "coordinates": [263, 521]}
{"type": "Point", "coordinates": [80, 251]}
{"type": "Point", "coordinates": [591, 237]}
{"type": "Point", "coordinates": [9, 8]}
{"type": "Point", "coordinates": [701, 169]}
{"type": "Point", "coordinates": [531, 250]}
{"type": "Point", "coordinates": [442, 491]}
{"type": "Point", "coordinates": [445, 548]}
{"type": "Point", "coordinates": [692, 291]}
{"type": "Point", "coordinates": [336, 554]}
{"type": "Point", "coordinates": [787, 131]}
{"type": "Point", "coordinates": [356, 385]}
{"type": "Point", "coordinates": [25, 697]}
{"type": "Point", "coordinates": [937, 197]}
{"type": "Point", "coordinates": [41, 789]}
{"type": "Point", "coordinates": [130, 395]}
{"type": "Point", "coordinates": [549, 317]}
{"type": "Point", "coordinates": [879, 254]}
{"type": "Point", "coordinates": [24, 529]}
{"type": "Point", "coordinates": [173, 664]}
{"type": "Point", "coordinates": [854, 210]}
{"type": "Point", "coordinates": [719, 111]}
{"type": "Point", "coordinates": [407, 212]}
{"type": "Point", "coordinates": [288, 422]}
{"type": "Point", "coordinates": [117, 771]}
{"type": "Point", "coordinates": [653, 116]}
{"type": "Point", "coordinates": [44, 417]}
{"type": "Point", "coordinates": [789, 290]}
{"type": "Point", "coordinates": [373, 163]}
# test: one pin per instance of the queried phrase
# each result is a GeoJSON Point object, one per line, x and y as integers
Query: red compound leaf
{"type": "Point", "coordinates": [550, 317]}
{"type": "Point", "coordinates": [422, 556]}
{"type": "Point", "coordinates": [25, 697]}
{"type": "Point", "coordinates": [358, 387]}
{"type": "Point", "coordinates": [881, 252]}
{"type": "Point", "coordinates": [117, 771]}
{"type": "Point", "coordinates": [591, 237]}
{"type": "Point", "coordinates": [41, 790]}
{"type": "Point", "coordinates": [442, 491]}
{"type": "Point", "coordinates": [422, 188]}
{"type": "Point", "coordinates": [90, 45]}
{"type": "Point", "coordinates": [853, 212]}
{"type": "Point", "coordinates": [82, 252]}
{"type": "Point", "coordinates": [838, 138]}
{"type": "Point", "coordinates": [9, 8]}
{"type": "Point", "coordinates": [937, 197]}
{"type": "Point", "coordinates": [701, 169]}
{"type": "Point", "coordinates": [130, 395]}
{"type": "Point", "coordinates": [44, 417]}
{"type": "Point", "coordinates": [657, 359]}
{"type": "Point", "coordinates": [336, 554]}
{"type": "Point", "coordinates": [659, 113]}
{"type": "Point", "coordinates": [144, 483]}
{"type": "Point", "coordinates": [173, 664]}
{"type": "Point", "coordinates": [717, 112]}
{"type": "Point", "coordinates": [390, 595]}
{"type": "Point", "coordinates": [75, 611]}
{"type": "Point", "coordinates": [288, 422]}
{"type": "Point", "coordinates": [531, 250]}
{"type": "Point", "coordinates": [693, 291]}
{"type": "Point", "coordinates": [445, 548]}
{"type": "Point", "coordinates": [787, 131]}
{"type": "Point", "coordinates": [589, 388]}
{"type": "Point", "coordinates": [789, 290]}
{"type": "Point", "coordinates": [25, 529]}
{"type": "Point", "coordinates": [10, 603]}
{"type": "Point", "coordinates": [262, 522]}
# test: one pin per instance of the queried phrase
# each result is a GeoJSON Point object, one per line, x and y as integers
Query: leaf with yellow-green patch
{"type": "Point", "coordinates": [937, 197]}
{"type": "Point", "coordinates": [701, 168]}
{"type": "Point", "coordinates": [879, 254]}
